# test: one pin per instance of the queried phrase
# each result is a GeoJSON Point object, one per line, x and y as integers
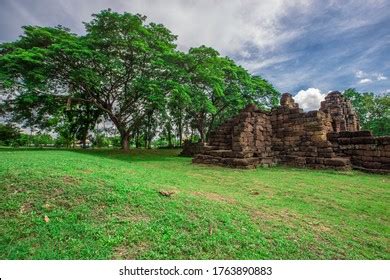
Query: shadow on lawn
{"type": "Point", "coordinates": [133, 154]}
{"type": "Point", "coordinates": [130, 156]}
{"type": "Point", "coordinates": [167, 155]}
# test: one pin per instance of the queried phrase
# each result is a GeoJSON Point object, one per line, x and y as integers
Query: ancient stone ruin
{"type": "Point", "coordinates": [327, 138]}
{"type": "Point", "coordinates": [191, 149]}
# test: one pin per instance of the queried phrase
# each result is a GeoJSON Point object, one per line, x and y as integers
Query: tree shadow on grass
{"type": "Point", "coordinates": [133, 155]}
{"type": "Point", "coordinates": [167, 155]}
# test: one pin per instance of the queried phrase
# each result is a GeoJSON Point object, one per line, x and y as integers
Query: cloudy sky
{"type": "Point", "coordinates": [303, 47]}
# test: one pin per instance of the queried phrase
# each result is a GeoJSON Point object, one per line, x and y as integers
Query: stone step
{"type": "Point", "coordinates": [218, 153]}
{"type": "Point", "coordinates": [337, 161]}
{"type": "Point", "coordinates": [209, 147]}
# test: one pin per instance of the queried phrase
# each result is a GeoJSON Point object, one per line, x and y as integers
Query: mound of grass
{"type": "Point", "coordinates": [105, 204]}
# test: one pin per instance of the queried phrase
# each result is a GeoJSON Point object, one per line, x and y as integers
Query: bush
{"type": "Point", "coordinates": [101, 141]}
{"type": "Point", "coordinates": [115, 141]}
{"type": "Point", "coordinates": [44, 140]}
{"type": "Point", "coordinates": [8, 134]}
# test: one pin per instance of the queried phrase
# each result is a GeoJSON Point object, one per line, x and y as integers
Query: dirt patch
{"type": "Point", "coordinates": [130, 252]}
{"type": "Point", "coordinates": [215, 197]}
{"type": "Point", "coordinates": [26, 208]}
{"type": "Point", "coordinates": [58, 198]}
{"type": "Point", "coordinates": [48, 206]}
{"type": "Point", "coordinates": [69, 180]}
{"type": "Point", "coordinates": [135, 218]}
{"type": "Point", "coordinates": [57, 192]}
{"type": "Point", "coordinates": [318, 227]}
{"type": "Point", "coordinates": [259, 189]}
{"type": "Point", "coordinates": [280, 215]}
{"type": "Point", "coordinates": [12, 188]}
{"type": "Point", "coordinates": [130, 216]}
{"type": "Point", "coordinates": [289, 218]}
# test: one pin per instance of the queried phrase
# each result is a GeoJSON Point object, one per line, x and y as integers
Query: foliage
{"type": "Point", "coordinates": [128, 71]}
{"type": "Point", "coordinates": [101, 141]}
{"type": "Point", "coordinates": [218, 89]}
{"type": "Point", "coordinates": [12, 136]}
{"type": "Point", "coordinates": [115, 141]}
{"type": "Point", "coordinates": [42, 139]}
{"type": "Point", "coordinates": [26, 74]}
{"type": "Point", "coordinates": [373, 110]}
{"type": "Point", "coordinates": [8, 133]}
{"type": "Point", "coordinates": [23, 140]}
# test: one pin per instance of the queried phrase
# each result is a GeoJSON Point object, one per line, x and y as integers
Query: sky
{"type": "Point", "coordinates": [304, 47]}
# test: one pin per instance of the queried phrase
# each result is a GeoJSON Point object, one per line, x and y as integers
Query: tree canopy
{"type": "Point", "coordinates": [373, 110]}
{"type": "Point", "coordinates": [128, 71]}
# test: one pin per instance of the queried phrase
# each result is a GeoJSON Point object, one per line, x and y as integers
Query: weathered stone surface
{"type": "Point", "coordinates": [191, 149]}
{"type": "Point", "coordinates": [327, 138]}
{"type": "Point", "coordinates": [341, 111]}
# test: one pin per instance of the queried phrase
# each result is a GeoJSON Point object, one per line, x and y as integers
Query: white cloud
{"type": "Point", "coordinates": [366, 78]}
{"type": "Point", "coordinates": [365, 81]}
{"type": "Point", "coordinates": [360, 74]}
{"type": "Point", "coordinates": [227, 26]}
{"type": "Point", "coordinates": [309, 99]}
{"type": "Point", "coordinates": [258, 64]}
{"type": "Point", "coordinates": [380, 77]}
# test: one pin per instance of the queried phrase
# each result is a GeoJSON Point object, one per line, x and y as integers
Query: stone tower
{"type": "Point", "coordinates": [341, 112]}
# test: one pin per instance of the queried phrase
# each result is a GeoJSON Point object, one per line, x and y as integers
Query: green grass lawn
{"type": "Point", "coordinates": [104, 204]}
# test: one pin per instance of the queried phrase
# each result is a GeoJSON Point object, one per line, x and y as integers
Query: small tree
{"type": "Point", "coordinates": [9, 134]}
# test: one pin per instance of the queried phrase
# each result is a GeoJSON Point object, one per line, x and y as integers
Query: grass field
{"type": "Point", "coordinates": [104, 204]}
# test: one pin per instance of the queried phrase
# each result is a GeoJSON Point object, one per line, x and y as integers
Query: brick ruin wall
{"type": "Point", "coordinates": [191, 149]}
{"type": "Point", "coordinates": [327, 138]}
{"type": "Point", "coordinates": [366, 152]}
{"type": "Point", "coordinates": [243, 141]}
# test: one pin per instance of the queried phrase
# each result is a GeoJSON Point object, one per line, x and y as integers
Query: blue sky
{"type": "Point", "coordinates": [303, 47]}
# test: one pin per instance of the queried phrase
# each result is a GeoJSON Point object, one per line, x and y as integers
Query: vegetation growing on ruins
{"type": "Point", "coordinates": [98, 204]}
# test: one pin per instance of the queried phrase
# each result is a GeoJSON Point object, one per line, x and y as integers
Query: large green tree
{"type": "Point", "coordinates": [118, 66]}
{"type": "Point", "coordinates": [127, 71]}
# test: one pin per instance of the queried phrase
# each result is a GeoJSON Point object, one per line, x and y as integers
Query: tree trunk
{"type": "Point", "coordinates": [201, 132]}
{"type": "Point", "coordinates": [201, 127]}
{"type": "Point", "coordinates": [202, 136]}
{"type": "Point", "coordinates": [169, 137]}
{"type": "Point", "coordinates": [84, 140]}
{"type": "Point", "coordinates": [125, 135]}
{"type": "Point", "coordinates": [137, 139]}
{"type": "Point", "coordinates": [209, 129]}
{"type": "Point", "coordinates": [180, 134]}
